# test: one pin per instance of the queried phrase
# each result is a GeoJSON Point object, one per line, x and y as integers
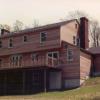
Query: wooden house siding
{"type": "Point", "coordinates": [59, 39]}
{"type": "Point", "coordinates": [97, 63]}
{"type": "Point", "coordinates": [26, 61]}
{"type": "Point", "coordinates": [70, 70]}
{"type": "Point", "coordinates": [33, 42]}
{"type": "Point", "coordinates": [85, 65]}
{"type": "Point", "coordinates": [67, 31]}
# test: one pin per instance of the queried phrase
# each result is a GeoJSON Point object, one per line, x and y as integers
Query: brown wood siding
{"type": "Point", "coordinates": [85, 65]}
{"type": "Point", "coordinates": [33, 43]}
{"type": "Point", "coordinates": [70, 70]}
{"type": "Point", "coordinates": [69, 30]}
{"type": "Point", "coordinates": [27, 62]}
{"type": "Point", "coordinates": [97, 63]}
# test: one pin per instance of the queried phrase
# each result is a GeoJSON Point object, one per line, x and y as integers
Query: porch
{"type": "Point", "coordinates": [27, 81]}
{"type": "Point", "coordinates": [50, 59]}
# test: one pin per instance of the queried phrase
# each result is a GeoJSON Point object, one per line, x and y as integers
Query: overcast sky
{"type": "Point", "coordinates": [46, 11]}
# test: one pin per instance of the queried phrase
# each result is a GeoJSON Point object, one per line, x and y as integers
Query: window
{"type": "Point", "coordinates": [69, 55]}
{"type": "Point", "coordinates": [25, 39]}
{"type": "Point", "coordinates": [53, 58]}
{"type": "Point", "coordinates": [76, 41]}
{"type": "Point", "coordinates": [10, 43]}
{"type": "Point", "coordinates": [0, 44]}
{"type": "Point", "coordinates": [43, 37]}
{"type": "Point", "coordinates": [16, 60]}
{"type": "Point", "coordinates": [34, 57]}
{"type": "Point", "coordinates": [53, 54]}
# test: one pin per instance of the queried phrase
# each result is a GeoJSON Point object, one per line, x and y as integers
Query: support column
{"type": "Point", "coordinates": [5, 83]}
{"type": "Point", "coordinates": [23, 82]}
{"type": "Point", "coordinates": [45, 81]}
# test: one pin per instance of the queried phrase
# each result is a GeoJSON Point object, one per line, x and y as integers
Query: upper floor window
{"type": "Point", "coordinates": [25, 38]}
{"type": "Point", "coordinates": [43, 37]}
{"type": "Point", "coordinates": [69, 55]}
{"type": "Point", "coordinates": [76, 40]}
{"type": "Point", "coordinates": [10, 43]}
{"type": "Point", "coordinates": [0, 44]}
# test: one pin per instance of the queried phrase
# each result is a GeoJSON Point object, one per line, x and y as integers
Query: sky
{"type": "Point", "coordinates": [45, 11]}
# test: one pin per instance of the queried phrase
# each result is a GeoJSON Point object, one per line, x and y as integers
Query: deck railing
{"type": "Point", "coordinates": [41, 61]}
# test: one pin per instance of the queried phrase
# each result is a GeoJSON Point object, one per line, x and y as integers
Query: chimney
{"type": "Point", "coordinates": [83, 33]}
{"type": "Point", "coordinates": [4, 31]}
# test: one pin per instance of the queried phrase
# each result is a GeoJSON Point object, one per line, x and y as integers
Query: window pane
{"type": "Point", "coordinates": [55, 55]}
{"type": "Point", "coordinates": [34, 56]}
{"type": "Point", "coordinates": [25, 38]}
{"type": "Point", "coordinates": [43, 37]}
{"type": "Point", "coordinates": [69, 55]}
{"type": "Point", "coordinates": [50, 55]}
{"type": "Point", "coordinates": [74, 40]}
{"type": "Point", "coordinates": [10, 43]}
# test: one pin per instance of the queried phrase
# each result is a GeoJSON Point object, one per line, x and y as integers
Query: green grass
{"type": "Point", "coordinates": [90, 91]}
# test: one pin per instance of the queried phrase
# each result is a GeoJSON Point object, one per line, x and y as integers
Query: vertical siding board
{"type": "Point", "coordinates": [85, 65]}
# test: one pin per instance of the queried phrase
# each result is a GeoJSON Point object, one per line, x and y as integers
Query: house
{"type": "Point", "coordinates": [96, 60]}
{"type": "Point", "coordinates": [50, 57]}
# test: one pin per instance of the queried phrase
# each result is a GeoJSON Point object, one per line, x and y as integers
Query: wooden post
{"type": "Point", "coordinates": [5, 83]}
{"type": "Point", "coordinates": [23, 76]}
{"type": "Point", "coordinates": [45, 83]}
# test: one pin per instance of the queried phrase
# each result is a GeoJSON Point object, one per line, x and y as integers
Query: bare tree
{"type": "Point", "coordinates": [18, 25]}
{"type": "Point", "coordinates": [77, 15]}
{"type": "Point", "coordinates": [35, 23]}
{"type": "Point", "coordinates": [95, 33]}
{"type": "Point", "coordinates": [5, 26]}
{"type": "Point", "coordinates": [94, 28]}
{"type": "Point", "coordinates": [1, 26]}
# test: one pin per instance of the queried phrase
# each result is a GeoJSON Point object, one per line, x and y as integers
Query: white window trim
{"type": "Point", "coordinates": [9, 43]}
{"type": "Point", "coordinates": [14, 61]}
{"type": "Point", "coordinates": [52, 56]}
{"type": "Point", "coordinates": [41, 36]}
{"type": "Point", "coordinates": [75, 38]}
{"type": "Point", "coordinates": [68, 55]}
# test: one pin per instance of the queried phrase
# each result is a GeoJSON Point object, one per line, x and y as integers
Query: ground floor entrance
{"type": "Point", "coordinates": [26, 81]}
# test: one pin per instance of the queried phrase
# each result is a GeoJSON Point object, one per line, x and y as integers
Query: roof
{"type": "Point", "coordinates": [94, 50]}
{"type": "Point", "coordinates": [85, 51]}
{"type": "Point", "coordinates": [40, 28]}
{"type": "Point", "coordinates": [81, 49]}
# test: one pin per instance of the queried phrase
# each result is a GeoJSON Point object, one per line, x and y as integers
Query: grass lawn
{"type": "Point", "coordinates": [90, 91]}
